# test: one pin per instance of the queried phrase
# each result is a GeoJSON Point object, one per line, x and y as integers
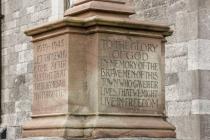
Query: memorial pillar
{"type": "Point", "coordinates": [99, 74]}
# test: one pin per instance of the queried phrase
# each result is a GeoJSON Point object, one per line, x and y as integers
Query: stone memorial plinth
{"type": "Point", "coordinates": [98, 74]}
{"type": "Point", "coordinates": [54, 138]}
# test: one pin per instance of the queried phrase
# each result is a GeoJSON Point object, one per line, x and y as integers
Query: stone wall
{"type": "Point", "coordinates": [17, 60]}
{"type": "Point", "coordinates": [187, 62]}
{"type": "Point", "coordinates": [201, 51]}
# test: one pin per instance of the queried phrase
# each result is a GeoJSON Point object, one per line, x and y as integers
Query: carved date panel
{"type": "Point", "coordinates": [50, 76]}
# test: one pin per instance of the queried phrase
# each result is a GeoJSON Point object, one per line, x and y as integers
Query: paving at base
{"type": "Point", "coordinates": [143, 138]}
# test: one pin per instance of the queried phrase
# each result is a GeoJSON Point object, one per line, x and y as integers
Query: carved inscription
{"type": "Point", "coordinates": [50, 72]}
{"type": "Point", "coordinates": [130, 74]}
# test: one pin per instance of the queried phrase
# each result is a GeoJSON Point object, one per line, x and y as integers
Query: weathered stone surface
{"type": "Point", "coordinates": [8, 107]}
{"type": "Point", "coordinates": [50, 76]}
{"type": "Point", "coordinates": [193, 55]}
{"type": "Point", "coordinates": [198, 57]}
{"type": "Point", "coordinates": [42, 138]}
{"type": "Point", "coordinates": [139, 139]}
{"type": "Point", "coordinates": [176, 50]}
{"type": "Point", "coordinates": [200, 107]}
{"type": "Point", "coordinates": [205, 127]}
{"type": "Point", "coordinates": [141, 4]}
{"type": "Point", "coordinates": [204, 3]}
{"type": "Point", "coordinates": [9, 119]}
{"type": "Point", "coordinates": [188, 26]}
{"type": "Point", "coordinates": [110, 8]}
{"type": "Point", "coordinates": [189, 19]}
{"type": "Point", "coordinates": [159, 3]}
{"type": "Point", "coordinates": [157, 14]}
{"type": "Point", "coordinates": [150, 57]}
{"type": "Point", "coordinates": [20, 16]}
{"type": "Point", "coordinates": [204, 81]}
{"type": "Point", "coordinates": [110, 85]}
{"type": "Point", "coordinates": [178, 108]}
{"type": "Point", "coordinates": [47, 138]}
{"type": "Point", "coordinates": [17, 54]}
{"type": "Point", "coordinates": [204, 20]}
{"type": "Point", "coordinates": [187, 127]}
{"type": "Point", "coordinates": [187, 83]}
{"type": "Point", "coordinates": [176, 64]}
{"type": "Point", "coordinates": [106, 104]}
{"type": "Point", "coordinates": [171, 79]}
{"type": "Point", "coordinates": [14, 132]}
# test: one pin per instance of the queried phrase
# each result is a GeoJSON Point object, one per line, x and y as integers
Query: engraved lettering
{"type": "Point", "coordinates": [130, 74]}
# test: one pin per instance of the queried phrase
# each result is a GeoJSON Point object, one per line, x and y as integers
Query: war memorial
{"type": "Point", "coordinates": [106, 70]}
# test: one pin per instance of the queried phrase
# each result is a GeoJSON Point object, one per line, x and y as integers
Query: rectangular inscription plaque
{"type": "Point", "coordinates": [130, 75]}
{"type": "Point", "coordinates": [50, 76]}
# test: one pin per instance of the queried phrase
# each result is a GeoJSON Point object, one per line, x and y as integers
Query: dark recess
{"type": "Point", "coordinates": [1, 17]}
{"type": "Point", "coordinates": [3, 134]}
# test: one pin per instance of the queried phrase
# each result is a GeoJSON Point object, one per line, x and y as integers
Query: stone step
{"type": "Point", "coordinates": [142, 138]}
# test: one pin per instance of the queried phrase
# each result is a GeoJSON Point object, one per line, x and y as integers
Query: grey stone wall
{"type": "Point", "coordinates": [187, 62]}
{"type": "Point", "coordinates": [17, 60]}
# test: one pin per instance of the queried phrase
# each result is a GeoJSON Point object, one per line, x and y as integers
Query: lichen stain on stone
{"type": "Point", "coordinates": [20, 80]}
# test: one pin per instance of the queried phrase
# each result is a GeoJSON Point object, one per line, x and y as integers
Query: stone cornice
{"type": "Point", "coordinates": [100, 21]}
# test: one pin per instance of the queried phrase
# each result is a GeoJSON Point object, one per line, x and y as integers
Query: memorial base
{"type": "Point", "coordinates": [137, 138]}
{"type": "Point", "coordinates": [98, 127]}
{"type": "Point", "coordinates": [98, 76]}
